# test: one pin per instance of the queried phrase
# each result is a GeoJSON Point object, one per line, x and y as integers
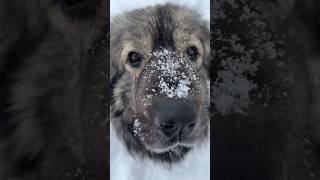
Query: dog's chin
{"type": "Point", "coordinates": [177, 149]}
{"type": "Point", "coordinates": [170, 151]}
{"type": "Point", "coordinates": [170, 154]}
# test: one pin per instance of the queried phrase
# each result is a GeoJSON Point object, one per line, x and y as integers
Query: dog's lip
{"type": "Point", "coordinates": [166, 149]}
{"type": "Point", "coordinates": [172, 147]}
{"type": "Point", "coordinates": [169, 146]}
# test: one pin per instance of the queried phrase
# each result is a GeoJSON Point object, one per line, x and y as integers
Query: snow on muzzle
{"type": "Point", "coordinates": [168, 93]}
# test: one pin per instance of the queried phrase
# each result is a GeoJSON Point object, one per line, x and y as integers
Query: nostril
{"type": "Point", "coordinates": [191, 125]}
{"type": "Point", "coordinates": [169, 125]}
{"type": "Point", "coordinates": [174, 118]}
{"type": "Point", "coordinates": [187, 129]}
{"type": "Point", "coordinates": [170, 128]}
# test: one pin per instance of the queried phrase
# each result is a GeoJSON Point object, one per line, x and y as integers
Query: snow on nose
{"type": "Point", "coordinates": [175, 73]}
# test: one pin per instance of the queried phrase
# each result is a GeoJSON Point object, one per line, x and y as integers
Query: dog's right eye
{"type": "Point", "coordinates": [135, 59]}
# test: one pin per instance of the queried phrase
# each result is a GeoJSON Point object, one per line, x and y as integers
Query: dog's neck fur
{"type": "Point", "coordinates": [195, 165]}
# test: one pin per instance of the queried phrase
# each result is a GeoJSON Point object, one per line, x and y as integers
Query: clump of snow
{"type": "Point", "coordinates": [182, 90]}
{"type": "Point", "coordinates": [136, 127]}
{"type": "Point", "coordinates": [170, 67]}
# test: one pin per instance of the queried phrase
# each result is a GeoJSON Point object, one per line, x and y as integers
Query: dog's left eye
{"type": "Point", "coordinates": [192, 52]}
{"type": "Point", "coordinates": [135, 59]}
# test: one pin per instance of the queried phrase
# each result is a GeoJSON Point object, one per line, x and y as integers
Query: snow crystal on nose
{"type": "Point", "coordinates": [182, 89]}
{"type": "Point", "coordinates": [171, 69]}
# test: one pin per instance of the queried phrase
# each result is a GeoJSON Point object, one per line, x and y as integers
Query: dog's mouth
{"type": "Point", "coordinates": [172, 153]}
{"type": "Point", "coordinates": [173, 145]}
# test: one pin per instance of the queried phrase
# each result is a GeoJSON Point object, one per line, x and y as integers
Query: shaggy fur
{"type": "Point", "coordinates": [152, 30]}
{"type": "Point", "coordinates": [50, 115]}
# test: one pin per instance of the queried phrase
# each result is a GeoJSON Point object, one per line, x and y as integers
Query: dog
{"type": "Point", "coordinates": [160, 97]}
{"type": "Point", "coordinates": [50, 58]}
{"type": "Point", "coordinates": [265, 90]}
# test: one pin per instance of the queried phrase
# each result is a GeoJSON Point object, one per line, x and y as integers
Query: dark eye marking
{"type": "Point", "coordinates": [135, 59]}
{"type": "Point", "coordinates": [192, 52]}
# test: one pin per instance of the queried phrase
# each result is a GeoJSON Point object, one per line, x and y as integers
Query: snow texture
{"type": "Point", "coordinates": [167, 65]}
{"type": "Point", "coordinates": [240, 51]}
{"type": "Point", "coordinates": [137, 129]}
{"type": "Point", "coordinates": [173, 82]}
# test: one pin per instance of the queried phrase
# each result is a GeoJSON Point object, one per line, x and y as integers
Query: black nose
{"type": "Point", "coordinates": [175, 118]}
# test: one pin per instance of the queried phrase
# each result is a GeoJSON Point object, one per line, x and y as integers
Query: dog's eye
{"type": "Point", "coordinates": [192, 53]}
{"type": "Point", "coordinates": [135, 59]}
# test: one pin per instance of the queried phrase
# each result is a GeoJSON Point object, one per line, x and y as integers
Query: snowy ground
{"type": "Point", "coordinates": [118, 6]}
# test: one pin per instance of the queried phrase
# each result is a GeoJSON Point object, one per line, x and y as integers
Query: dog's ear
{"type": "Point", "coordinates": [79, 9]}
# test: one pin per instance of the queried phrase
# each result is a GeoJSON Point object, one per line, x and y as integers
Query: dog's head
{"type": "Point", "coordinates": [159, 67]}
{"type": "Point", "coordinates": [45, 47]}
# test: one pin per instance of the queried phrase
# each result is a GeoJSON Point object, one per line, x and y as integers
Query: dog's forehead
{"type": "Point", "coordinates": [161, 26]}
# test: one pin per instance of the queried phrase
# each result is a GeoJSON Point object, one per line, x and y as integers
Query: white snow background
{"type": "Point", "coordinates": [122, 165]}
{"type": "Point", "coordinates": [119, 6]}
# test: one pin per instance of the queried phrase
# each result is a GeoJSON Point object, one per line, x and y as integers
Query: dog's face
{"type": "Point", "coordinates": [46, 54]}
{"type": "Point", "coordinates": [159, 57]}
